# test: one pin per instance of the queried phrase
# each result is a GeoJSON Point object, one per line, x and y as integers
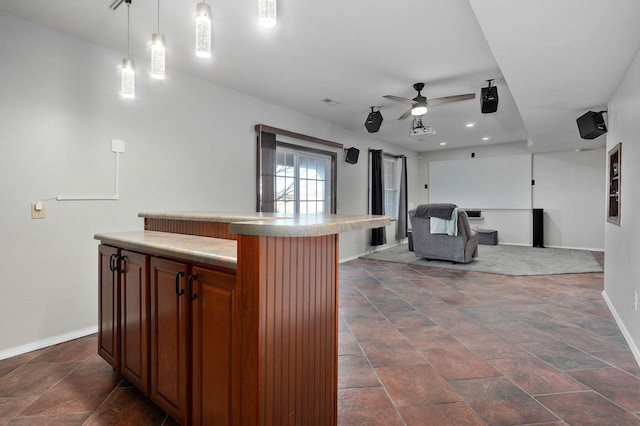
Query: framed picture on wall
{"type": "Point", "coordinates": [615, 163]}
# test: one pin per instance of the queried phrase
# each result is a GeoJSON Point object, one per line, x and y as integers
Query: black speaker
{"type": "Point", "coordinates": [591, 125]}
{"type": "Point", "coordinates": [538, 227]}
{"type": "Point", "coordinates": [352, 155]}
{"type": "Point", "coordinates": [489, 99]}
{"type": "Point", "coordinates": [374, 121]}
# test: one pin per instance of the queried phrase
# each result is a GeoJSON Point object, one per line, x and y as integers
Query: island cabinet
{"type": "Point", "coordinates": [192, 341]}
{"type": "Point", "coordinates": [123, 333]}
{"type": "Point", "coordinates": [237, 314]}
{"type": "Point", "coordinates": [215, 340]}
{"type": "Point", "coordinates": [108, 305]}
{"type": "Point", "coordinates": [171, 329]}
{"type": "Point", "coordinates": [134, 318]}
{"type": "Point", "coordinates": [169, 337]}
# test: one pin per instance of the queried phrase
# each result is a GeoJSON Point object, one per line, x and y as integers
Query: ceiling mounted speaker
{"type": "Point", "coordinates": [591, 125]}
{"type": "Point", "coordinates": [374, 121]}
{"type": "Point", "coordinates": [352, 155]}
{"type": "Point", "coordinates": [489, 98]}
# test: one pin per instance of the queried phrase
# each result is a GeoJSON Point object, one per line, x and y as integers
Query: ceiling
{"type": "Point", "coordinates": [552, 61]}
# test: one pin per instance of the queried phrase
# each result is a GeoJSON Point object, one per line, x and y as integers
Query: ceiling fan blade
{"type": "Point", "coordinates": [399, 99]}
{"type": "Point", "coordinates": [406, 114]}
{"type": "Point", "coordinates": [448, 99]}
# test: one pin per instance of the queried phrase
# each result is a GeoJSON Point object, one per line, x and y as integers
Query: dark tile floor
{"type": "Point", "coordinates": [417, 346]}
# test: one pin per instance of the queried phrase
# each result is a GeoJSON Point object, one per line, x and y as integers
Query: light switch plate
{"type": "Point", "coordinates": [37, 214]}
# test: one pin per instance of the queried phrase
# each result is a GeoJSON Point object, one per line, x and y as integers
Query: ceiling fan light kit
{"type": "Point", "coordinates": [420, 106]}
{"type": "Point", "coordinates": [419, 109]}
{"type": "Point", "coordinates": [420, 103]}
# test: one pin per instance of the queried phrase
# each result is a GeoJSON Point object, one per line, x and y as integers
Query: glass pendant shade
{"type": "Point", "coordinates": [203, 30]}
{"type": "Point", "coordinates": [128, 79]}
{"type": "Point", "coordinates": [267, 14]}
{"type": "Point", "coordinates": [157, 56]}
{"type": "Point", "coordinates": [419, 109]}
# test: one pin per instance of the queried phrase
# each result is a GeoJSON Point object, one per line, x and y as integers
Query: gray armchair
{"type": "Point", "coordinates": [461, 248]}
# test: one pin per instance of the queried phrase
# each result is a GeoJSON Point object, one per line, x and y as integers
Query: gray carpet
{"type": "Point", "coordinates": [505, 260]}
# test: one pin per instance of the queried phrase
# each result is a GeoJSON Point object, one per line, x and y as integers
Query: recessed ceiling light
{"type": "Point", "coordinates": [443, 143]}
{"type": "Point", "coordinates": [486, 138]}
{"type": "Point", "coordinates": [469, 124]}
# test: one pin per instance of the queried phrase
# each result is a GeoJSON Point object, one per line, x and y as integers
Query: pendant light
{"type": "Point", "coordinates": [157, 52]}
{"type": "Point", "coordinates": [203, 30]}
{"type": "Point", "coordinates": [128, 72]}
{"type": "Point", "coordinates": [267, 16]}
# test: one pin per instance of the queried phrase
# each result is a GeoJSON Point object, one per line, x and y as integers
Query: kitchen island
{"type": "Point", "coordinates": [227, 318]}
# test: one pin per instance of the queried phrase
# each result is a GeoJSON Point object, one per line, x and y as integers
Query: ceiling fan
{"type": "Point", "coordinates": [419, 103]}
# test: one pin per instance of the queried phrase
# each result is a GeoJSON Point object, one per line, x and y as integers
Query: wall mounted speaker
{"type": "Point", "coordinates": [352, 155]}
{"type": "Point", "coordinates": [591, 125]}
{"type": "Point", "coordinates": [489, 99]}
{"type": "Point", "coordinates": [374, 121]}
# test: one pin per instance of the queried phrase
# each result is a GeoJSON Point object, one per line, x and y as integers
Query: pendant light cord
{"type": "Point", "coordinates": [128, 7]}
{"type": "Point", "coordinates": [158, 16]}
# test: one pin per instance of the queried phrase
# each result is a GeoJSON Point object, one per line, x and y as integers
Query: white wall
{"type": "Point", "coordinates": [622, 243]}
{"type": "Point", "coordinates": [569, 187]}
{"type": "Point", "coordinates": [190, 145]}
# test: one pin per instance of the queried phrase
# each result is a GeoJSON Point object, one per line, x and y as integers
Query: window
{"type": "Point", "coordinates": [391, 187]}
{"type": "Point", "coordinates": [294, 178]}
{"type": "Point", "coordinates": [301, 180]}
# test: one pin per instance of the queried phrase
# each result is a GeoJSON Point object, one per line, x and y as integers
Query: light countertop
{"type": "Point", "coordinates": [223, 252]}
{"type": "Point", "coordinates": [280, 224]}
{"type": "Point", "coordinates": [206, 250]}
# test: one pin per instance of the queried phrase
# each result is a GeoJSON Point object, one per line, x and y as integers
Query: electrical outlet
{"type": "Point", "coordinates": [635, 300]}
{"type": "Point", "coordinates": [37, 210]}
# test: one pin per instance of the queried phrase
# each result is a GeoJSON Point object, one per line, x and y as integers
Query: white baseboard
{"type": "Point", "coordinates": [19, 350]}
{"type": "Point", "coordinates": [627, 336]}
{"type": "Point", "coordinates": [577, 248]}
{"type": "Point", "coordinates": [372, 250]}
{"type": "Point", "coordinates": [558, 247]}
{"type": "Point", "coordinates": [347, 259]}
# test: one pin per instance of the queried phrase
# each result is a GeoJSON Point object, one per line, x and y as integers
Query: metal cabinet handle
{"type": "Point", "coordinates": [179, 291]}
{"type": "Point", "coordinates": [122, 264]}
{"type": "Point", "coordinates": [190, 281]}
{"type": "Point", "coordinates": [113, 262]}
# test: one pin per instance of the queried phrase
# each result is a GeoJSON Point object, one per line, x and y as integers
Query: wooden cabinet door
{"type": "Point", "coordinates": [134, 315]}
{"type": "Point", "coordinates": [108, 306]}
{"type": "Point", "coordinates": [215, 343]}
{"type": "Point", "coordinates": [169, 337]}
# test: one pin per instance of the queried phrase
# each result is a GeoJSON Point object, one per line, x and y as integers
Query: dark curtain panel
{"type": "Point", "coordinates": [378, 235]}
{"type": "Point", "coordinates": [266, 172]}
{"type": "Point", "coordinates": [401, 232]}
